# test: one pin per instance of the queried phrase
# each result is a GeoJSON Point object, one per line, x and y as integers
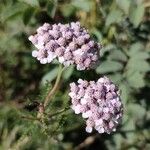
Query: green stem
{"type": "Point", "coordinates": [52, 92]}
{"type": "Point", "coordinates": [29, 118]}
{"type": "Point", "coordinates": [59, 112]}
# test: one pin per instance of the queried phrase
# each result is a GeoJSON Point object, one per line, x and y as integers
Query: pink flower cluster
{"type": "Point", "coordinates": [70, 43]}
{"type": "Point", "coordinates": [99, 102]}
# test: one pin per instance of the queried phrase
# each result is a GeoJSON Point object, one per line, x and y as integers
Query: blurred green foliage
{"type": "Point", "coordinates": [122, 26]}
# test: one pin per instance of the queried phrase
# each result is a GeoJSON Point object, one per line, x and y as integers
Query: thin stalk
{"type": "Point", "coordinates": [52, 92]}
{"type": "Point", "coordinates": [59, 112]}
{"type": "Point", "coordinates": [29, 118]}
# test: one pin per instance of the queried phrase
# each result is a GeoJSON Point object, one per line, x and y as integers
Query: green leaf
{"type": "Point", "coordinates": [33, 3]}
{"type": "Point", "coordinates": [125, 92]}
{"type": "Point", "coordinates": [129, 126]}
{"type": "Point", "coordinates": [50, 76]}
{"type": "Point", "coordinates": [83, 5]}
{"type": "Point", "coordinates": [139, 65]}
{"type": "Point", "coordinates": [68, 72]}
{"type": "Point", "coordinates": [109, 66]}
{"type": "Point", "coordinates": [69, 11]}
{"type": "Point", "coordinates": [117, 138]}
{"type": "Point", "coordinates": [27, 15]}
{"type": "Point", "coordinates": [141, 56]}
{"type": "Point", "coordinates": [116, 78]}
{"type": "Point", "coordinates": [112, 32]}
{"type": "Point", "coordinates": [97, 33]}
{"type": "Point", "coordinates": [135, 48]}
{"type": "Point", "coordinates": [115, 16]}
{"type": "Point", "coordinates": [136, 111]}
{"type": "Point", "coordinates": [136, 14]}
{"type": "Point", "coordinates": [51, 8]}
{"type": "Point", "coordinates": [136, 80]}
{"type": "Point", "coordinates": [118, 55]}
{"type": "Point", "coordinates": [124, 5]}
{"type": "Point", "coordinates": [107, 48]}
{"type": "Point", "coordinates": [11, 11]}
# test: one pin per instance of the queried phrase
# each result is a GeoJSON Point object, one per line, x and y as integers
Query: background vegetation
{"type": "Point", "coordinates": [122, 26]}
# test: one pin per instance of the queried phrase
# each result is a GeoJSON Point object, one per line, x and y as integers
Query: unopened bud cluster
{"type": "Point", "coordinates": [69, 43]}
{"type": "Point", "coordinates": [98, 102]}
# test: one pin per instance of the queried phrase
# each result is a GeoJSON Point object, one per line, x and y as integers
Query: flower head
{"type": "Point", "coordinates": [98, 102]}
{"type": "Point", "coordinates": [69, 43]}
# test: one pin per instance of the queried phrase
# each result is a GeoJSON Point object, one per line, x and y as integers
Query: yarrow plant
{"type": "Point", "coordinates": [69, 43]}
{"type": "Point", "coordinates": [98, 102]}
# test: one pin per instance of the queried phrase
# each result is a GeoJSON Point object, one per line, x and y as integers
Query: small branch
{"type": "Point", "coordinates": [59, 112]}
{"type": "Point", "coordinates": [88, 141]}
{"type": "Point", "coordinates": [29, 118]}
{"type": "Point", "coordinates": [51, 92]}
